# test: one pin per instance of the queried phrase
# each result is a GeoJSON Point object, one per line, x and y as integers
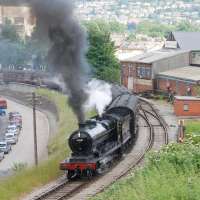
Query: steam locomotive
{"type": "Point", "coordinates": [102, 139]}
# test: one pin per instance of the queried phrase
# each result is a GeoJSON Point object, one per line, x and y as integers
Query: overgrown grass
{"type": "Point", "coordinates": [193, 127]}
{"type": "Point", "coordinates": [24, 181]}
{"type": "Point", "coordinates": [171, 174]}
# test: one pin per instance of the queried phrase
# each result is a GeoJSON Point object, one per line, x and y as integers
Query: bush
{"type": "Point", "coordinates": [170, 174]}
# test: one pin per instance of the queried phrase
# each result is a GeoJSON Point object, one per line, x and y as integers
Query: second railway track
{"type": "Point", "coordinates": [152, 135]}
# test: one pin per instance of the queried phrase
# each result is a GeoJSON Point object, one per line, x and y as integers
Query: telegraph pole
{"type": "Point", "coordinates": [35, 128]}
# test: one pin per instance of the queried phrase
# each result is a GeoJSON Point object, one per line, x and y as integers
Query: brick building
{"type": "Point", "coordinates": [138, 73]}
{"type": "Point", "coordinates": [187, 106]}
{"type": "Point", "coordinates": [19, 16]}
{"type": "Point", "coordinates": [182, 81]}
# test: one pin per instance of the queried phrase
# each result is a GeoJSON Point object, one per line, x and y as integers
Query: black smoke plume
{"type": "Point", "coordinates": [67, 40]}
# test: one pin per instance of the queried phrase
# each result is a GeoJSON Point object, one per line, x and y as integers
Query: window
{"type": "Point", "coordinates": [19, 20]}
{"type": "Point", "coordinates": [144, 72]}
{"type": "Point", "coordinates": [186, 107]}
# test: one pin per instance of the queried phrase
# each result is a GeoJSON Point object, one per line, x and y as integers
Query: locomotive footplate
{"type": "Point", "coordinates": [81, 164]}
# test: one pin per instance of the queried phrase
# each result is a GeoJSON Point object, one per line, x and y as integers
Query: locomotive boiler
{"type": "Point", "coordinates": [102, 139]}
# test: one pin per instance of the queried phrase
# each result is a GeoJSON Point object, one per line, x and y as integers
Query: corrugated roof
{"type": "Point", "coordinates": [188, 40]}
{"type": "Point", "coordinates": [153, 56]}
{"type": "Point", "coordinates": [185, 73]}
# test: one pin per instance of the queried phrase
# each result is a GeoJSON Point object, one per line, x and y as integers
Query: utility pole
{"type": "Point", "coordinates": [35, 128]}
{"type": "Point", "coordinates": [34, 101]}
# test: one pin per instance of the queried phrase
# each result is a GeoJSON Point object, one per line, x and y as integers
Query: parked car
{"type": "Point", "coordinates": [3, 104]}
{"type": "Point", "coordinates": [2, 112]}
{"type": "Point", "coordinates": [11, 138]}
{"type": "Point", "coordinates": [5, 147]}
{"type": "Point", "coordinates": [14, 114]}
{"type": "Point", "coordinates": [12, 129]}
{"type": "Point", "coordinates": [17, 123]}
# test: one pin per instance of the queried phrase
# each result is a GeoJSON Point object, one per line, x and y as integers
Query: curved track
{"type": "Point", "coordinates": [152, 135]}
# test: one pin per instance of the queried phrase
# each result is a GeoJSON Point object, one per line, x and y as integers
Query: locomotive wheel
{"type": "Point", "coordinates": [70, 175]}
{"type": "Point", "coordinates": [89, 173]}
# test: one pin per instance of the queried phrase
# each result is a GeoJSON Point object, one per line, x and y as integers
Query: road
{"type": "Point", "coordinates": [23, 151]}
{"type": "Point", "coordinates": [3, 125]}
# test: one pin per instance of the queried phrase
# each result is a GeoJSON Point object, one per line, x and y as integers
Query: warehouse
{"type": "Point", "coordinates": [138, 73]}
{"type": "Point", "coordinates": [181, 81]}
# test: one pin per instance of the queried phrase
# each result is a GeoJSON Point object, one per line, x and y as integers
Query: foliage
{"type": "Point", "coordinates": [154, 29]}
{"type": "Point", "coordinates": [157, 29]}
{"type": "Point", "coordinates": [131, 37]}
{"type": "Point", "coordinates": [30, 178]}
{"type": "Point", "coordinates": [12, 53]}
{"type": "Point", "coordinates": [197, 90]}
{"type": "Point", "coordinates": [17, 167]}
{"type": "Point", "coordinates": [116, 27]}
{"type": "Point", "coordinates": [187, 26]}
{"type": "Point", "coordinates": [171, 174]}
{"type": "Point", "coordinates": [193, 130]}
{"type": "Point", "coordinates": [9, 32]}
{"type": "Point", "coordinates": [101, 54]}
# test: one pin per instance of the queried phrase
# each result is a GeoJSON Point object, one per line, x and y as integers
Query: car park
{"type": "Point", "coordinates": [5, 147]}
{"type": "Point", "coordinates": [11, 138]}
{"type": "Point", "coordinates": [12, 129]}
{"type": "Point", "coordinates": [17, 123]}
{"type": "Point", "coordinates": [14, 114]}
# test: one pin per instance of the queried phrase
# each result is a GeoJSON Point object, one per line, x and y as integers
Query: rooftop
{"type": "Point", "coordinates": [184, 73]}
{"type": "Point", "coordinates": [187, 40]}
{"type": "Point", "coordinates": [189, 98]}
{"type": "Point", "coordinates": [153, 56]}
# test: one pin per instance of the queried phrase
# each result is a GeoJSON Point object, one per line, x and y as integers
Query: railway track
{"type": "Point", "coordinates": [152, 135]}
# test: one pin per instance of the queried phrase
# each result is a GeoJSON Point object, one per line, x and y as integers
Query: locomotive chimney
{"type": "Point", "coordinates": [81, 125]}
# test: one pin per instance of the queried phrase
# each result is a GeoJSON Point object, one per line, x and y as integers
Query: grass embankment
{"type": "Point", "coordinates": [24, 181]}
{"type": "Point", "coordinates": [171, 174]}
{"type": "Point", "coordinates": [193, 130]}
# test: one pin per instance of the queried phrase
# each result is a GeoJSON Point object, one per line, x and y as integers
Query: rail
{"type": "Point", "coordinates": [67, 190]}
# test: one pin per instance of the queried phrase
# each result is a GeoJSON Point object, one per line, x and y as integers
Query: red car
{"type": "Point", "coordinates": [3, 104]}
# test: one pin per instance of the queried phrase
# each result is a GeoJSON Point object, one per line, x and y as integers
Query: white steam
{"type": "Point", "coordinates": [100, 95]}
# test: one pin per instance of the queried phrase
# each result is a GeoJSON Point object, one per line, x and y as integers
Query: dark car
{"type": "Point", "coordinates": [5, 147]}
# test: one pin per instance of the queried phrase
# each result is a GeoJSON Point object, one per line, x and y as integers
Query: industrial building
{"type": "Point", "coordinates": [139, 73]}
{"type": "Point", "coordinates": [176, 66]}
{"type": "Point", "coordinates": [181, 81]}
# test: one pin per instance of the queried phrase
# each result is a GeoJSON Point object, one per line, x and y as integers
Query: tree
{"type": "Point", "coordinates": [9, 31]}
{"type": "Point", "coordinates": [154, 29]}
{"type": "Point", "coordinates": [187, 26]}
{"type": "Point", "coordinates": [12, 54]}
{"type": "Point", "coordinates": [101, 54]}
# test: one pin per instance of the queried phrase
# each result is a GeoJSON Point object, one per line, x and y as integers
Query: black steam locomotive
{"type": "Point", "coordinates": [101, 140]}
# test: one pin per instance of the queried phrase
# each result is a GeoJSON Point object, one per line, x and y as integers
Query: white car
{"type": "Point", "coordinates": [11, 138]}
{"type": "Point", "coordinates": [12, 129]}
{"type": "Point", "coordinates": [5, 147]}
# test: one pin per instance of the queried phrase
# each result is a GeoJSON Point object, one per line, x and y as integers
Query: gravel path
{"type": "Point", "coordinates": [23, 151]}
